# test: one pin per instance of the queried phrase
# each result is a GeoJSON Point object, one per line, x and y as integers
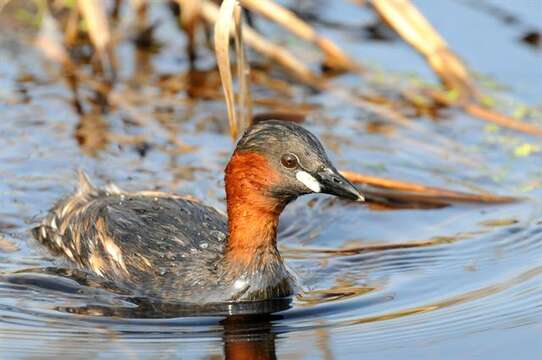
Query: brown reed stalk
{"type": "Point", "coordinates": [336, 57]}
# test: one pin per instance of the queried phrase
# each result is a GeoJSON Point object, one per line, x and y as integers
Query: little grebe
{"type": "Point", "coordinates": [167, 247]}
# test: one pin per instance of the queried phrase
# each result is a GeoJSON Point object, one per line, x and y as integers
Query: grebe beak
{"type": "Point", "coordinates": [333, 183]}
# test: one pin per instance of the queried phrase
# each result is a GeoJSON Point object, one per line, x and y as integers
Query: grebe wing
{"type": "Point", "coordinates": [137, 238]}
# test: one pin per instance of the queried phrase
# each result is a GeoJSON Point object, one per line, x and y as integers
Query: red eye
{"type": "Point", "coordinates": [289, 161]}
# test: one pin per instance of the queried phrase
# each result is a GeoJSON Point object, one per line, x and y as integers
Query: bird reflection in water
{"type": "Point", "coordinates": [249, 337]}
{"type": "Point", "coordinates": [247, 328]}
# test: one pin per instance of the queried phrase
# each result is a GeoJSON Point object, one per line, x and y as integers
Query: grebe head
{"type": "Point", "coordinates": [296, 161]}
{"type": "Point", "coordinates": [274, 163]}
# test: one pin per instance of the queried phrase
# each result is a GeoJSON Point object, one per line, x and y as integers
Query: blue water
{"type": "Point", "coordinates": [473, 293]}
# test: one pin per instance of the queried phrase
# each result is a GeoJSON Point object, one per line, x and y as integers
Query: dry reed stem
{"type": "Point", "coordinates": [268, 49]}
{"type": "Point", "coordinates": [489, 115]}
{"type": "Point", "coordinates": [222, 33]}
{"type": "Point", "coordinates": [3, 3]}
{"type": "Point", "coordinates": [190, 17]}
{"type": "Point", "coordinates": [189, 13]}
{"type": "Point", "coordinates": [430, 191]}
{"type": "Point", "coordinates": [243, 75]}
{"type": "Point", "coordinates": [95, 15]}
{"type": "Point", "coordinates": [502, 120]}
{"type": "Point", "coordinates": [72, 27]}
{"type": "Point", "coordinates": [284, 17]}
{"type": "Point", "coordinates": [348, 95]}
{"type": "Point", "coordinates": [50, 39]}
{"type": "Point", "coordinates": [414, 28]}
{"type": "Point", "coordinates": [141, 10]}
{"type": "Point", "coordinates": [138, 5]}
{"type": "Point", "coordinates": [50, 42]}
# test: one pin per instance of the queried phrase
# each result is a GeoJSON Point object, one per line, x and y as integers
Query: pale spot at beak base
{"type": "Point", "coordinates": [309, 181]}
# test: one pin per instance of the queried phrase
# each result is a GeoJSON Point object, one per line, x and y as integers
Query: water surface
{"type": "Point", "coordinates": [474, 291]}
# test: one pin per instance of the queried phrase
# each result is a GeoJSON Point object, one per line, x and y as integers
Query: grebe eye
{"type": "Point", "coordinates": [289, 161]}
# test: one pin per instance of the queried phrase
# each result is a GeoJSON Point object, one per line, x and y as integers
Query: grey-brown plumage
{"type": "Point", "coordinates": [170, 248]}
{"type": "Point", "coordinates": [157, 245]}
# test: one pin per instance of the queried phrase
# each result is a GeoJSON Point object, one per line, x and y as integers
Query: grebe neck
{"type": "Point", "coordinates": [253, 214]}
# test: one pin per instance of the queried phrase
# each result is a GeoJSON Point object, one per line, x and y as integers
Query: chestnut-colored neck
{"type": "Point", "coordinates": [253, 213]}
